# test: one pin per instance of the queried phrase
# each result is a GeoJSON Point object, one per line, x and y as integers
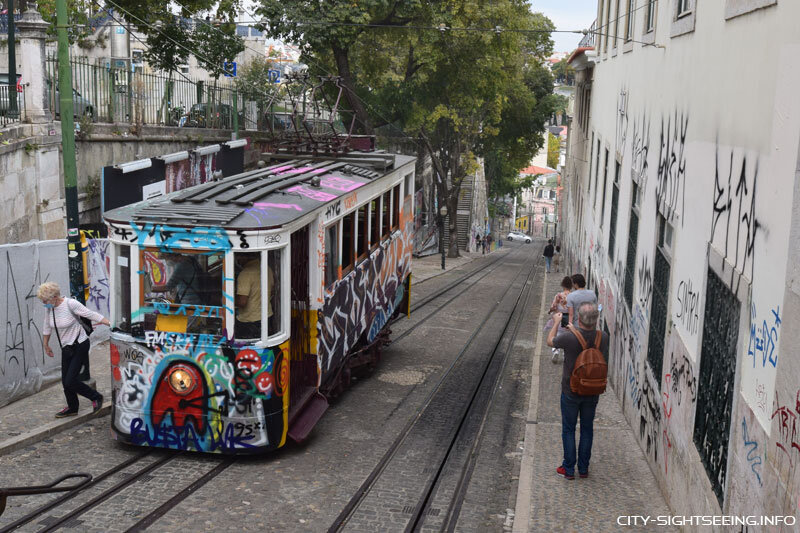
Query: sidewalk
{"type": "Point", "coordinates": [32, 418]}
{"type": "Point", "coordinates": [620, 481]}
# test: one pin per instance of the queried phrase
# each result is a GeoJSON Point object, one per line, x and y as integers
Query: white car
{"type": "Point", "coordinates": [518, 236]}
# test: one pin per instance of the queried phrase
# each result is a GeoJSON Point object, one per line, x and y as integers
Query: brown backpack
{"type": "Point", "coordinates": [590, 373]}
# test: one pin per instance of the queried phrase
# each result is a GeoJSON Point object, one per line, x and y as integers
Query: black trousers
{"type": "Point", "coordinates": [73, 357]}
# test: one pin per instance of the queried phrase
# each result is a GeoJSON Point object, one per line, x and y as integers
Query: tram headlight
{"type": "Point", "coordinates": [181, 380]}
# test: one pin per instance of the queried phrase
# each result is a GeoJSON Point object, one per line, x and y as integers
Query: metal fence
{"type": "Point", "coordinates": [589, 39]}
{"type": "Point", "coordinates": [102, 93]}
{"type": "Point", "coordinates": [6, 115]}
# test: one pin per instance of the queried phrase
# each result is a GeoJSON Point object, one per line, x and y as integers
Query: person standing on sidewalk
{"type": "Point", "coordinates": [62, 316]}
{"type": "Point", "coordinates": [578, 296]}
{"type": "Point", "coordinates": [548, 255]}
{"type": "Point", "coordinates": [559, 305]}
{"type": "Point", "coordinates": [557, 259]}
{"type": "Point", "coordinates": [572, 404]}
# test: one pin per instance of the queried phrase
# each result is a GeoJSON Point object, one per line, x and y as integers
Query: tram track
{"type": "Point", "coordinates": [445, 290]}
{"type": "Point", "coordinates": [47, 513]}
{"type": "Point", "coordinates": [457, 446]}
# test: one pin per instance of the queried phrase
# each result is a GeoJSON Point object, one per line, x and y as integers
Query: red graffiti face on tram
{"type": "Point", "coordinates": [181, 390]}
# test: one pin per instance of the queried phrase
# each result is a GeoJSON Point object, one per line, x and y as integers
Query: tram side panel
{"type": "Point", "coordinates": [359, 305]}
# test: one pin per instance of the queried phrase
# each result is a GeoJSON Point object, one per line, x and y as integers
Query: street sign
{"type": "Point", "coordinates": [274, 75]}
{"type": "Point", "coordinates": [229, 69]}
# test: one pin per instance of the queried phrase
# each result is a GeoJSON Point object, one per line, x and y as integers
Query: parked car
{"type": "Point", "coordinates": [518, 236]}
{"type": "Point", "coordinates": [80, 105]}
{"type": "Point", "coordinates": [205, 114]}
{"type": "Point", "coordinates": [4, 100]}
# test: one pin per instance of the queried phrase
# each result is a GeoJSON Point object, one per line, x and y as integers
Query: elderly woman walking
{"type": "Point", "coordinates": [63, 318]}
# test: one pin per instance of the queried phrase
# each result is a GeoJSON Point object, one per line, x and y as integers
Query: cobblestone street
{"type": "Point", "coordinates": [304, 487]}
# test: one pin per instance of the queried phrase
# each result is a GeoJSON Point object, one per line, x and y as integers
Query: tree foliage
{"type": "Point", "coordinates": [461, 94]}
{"type": "Point", "coordinates": [564, 72]}
{"type": "Point", "coordinates": [553, 150]}
{"type": "Point", "coordinates": [171, 39]}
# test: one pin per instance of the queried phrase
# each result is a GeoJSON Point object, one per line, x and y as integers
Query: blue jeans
{"type": "Point", "coordinates": [571, 406]}
{"type": "Point", "coordinates": [547, 261]}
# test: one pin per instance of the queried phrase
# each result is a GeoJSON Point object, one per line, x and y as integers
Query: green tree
{"type": "Point", "coordinates": [553, 150]}
{"type": "Point", "coordinates": [314, 25]}
{"type": "Point", "coordinates": [564, 72]}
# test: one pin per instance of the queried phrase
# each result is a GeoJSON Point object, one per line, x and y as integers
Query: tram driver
{"type": "Point", "coordinates": [248, 296]}
{"type": "Point", "coordinates": [185, 280]}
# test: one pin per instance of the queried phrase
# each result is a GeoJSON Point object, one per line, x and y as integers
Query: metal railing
{"type": "Point", "coordinates": [102, 93]}
{"type": "Point", "coordinates": [589, 39]}
{"type": "Point", "coordinates": [6, 115]}
{"type": "Point", "coordinates": [4, 22]}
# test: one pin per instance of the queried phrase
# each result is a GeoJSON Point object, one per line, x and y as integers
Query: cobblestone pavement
{"type": "Point", "coordinates": [38, 410]}
{"type": "Point", "coordinates": [620, 481]}
{"type": "Point", "coordinates": [304, 487]}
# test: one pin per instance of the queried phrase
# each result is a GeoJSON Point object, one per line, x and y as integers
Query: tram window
{"type": "Point", "coordinates": [375, 221]}
{"type": "Point", "coordinates": [362, 239]}
{"type": "Point", "coordinates": [396, 207]}
{"type": "Point", "coordinates": [387, 199]}
{"type": "Point", "coordinates": [247, 298]}
{"type": "Point", "coordinates": [348, 238]}
{"type": "Point", "coordinates": [274, 284]}
{"type": "Point", "coordinates": [182, 292]}
{"type": "Point", "coordinates": [122, 279]}
{"type": "Point", "coordinates": [331, 254]}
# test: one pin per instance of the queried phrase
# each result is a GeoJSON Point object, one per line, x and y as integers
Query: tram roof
{"type": "Point", "coordinates": [267, 197]}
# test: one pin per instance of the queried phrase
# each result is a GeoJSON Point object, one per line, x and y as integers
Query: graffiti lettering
{"type": "Point", "coordinates": [688, 306]}
{"type": "Point", "coordinates": [640, 147]}
{"type": "Point", "coordinates": [786, 440]}
{"type": "Point", "coordinates": [167, 238]}
{"type": "Point", "coordinates": [312, 194]}
{"type": "Point", "coordinates": [764, 338]}
{"type": "Point", "coordinates": [340, 184]}
{"type": "Point", "coordinates": [753, 459]}
{"type": "Point", "coordinates": [739, 237]}
{"type": "Point", "coordinates": [671, 187]}
{"type": "Point", "coordinates": [645, 283]}
{"type": "Point", "coordinates": [185, 437]}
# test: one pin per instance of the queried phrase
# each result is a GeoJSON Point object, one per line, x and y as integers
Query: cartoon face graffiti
{"type": "Point", "coordinates": [182, 393]}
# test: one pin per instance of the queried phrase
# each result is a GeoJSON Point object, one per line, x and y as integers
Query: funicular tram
{"type": "Point", "coordinates": [240, 306]}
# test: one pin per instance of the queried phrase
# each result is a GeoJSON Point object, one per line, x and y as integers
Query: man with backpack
{"type": "Point", "coordinates": [583, 379]}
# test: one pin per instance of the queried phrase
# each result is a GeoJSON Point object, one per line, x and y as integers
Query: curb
{"type": "Point", "coordinates": [48, 430]}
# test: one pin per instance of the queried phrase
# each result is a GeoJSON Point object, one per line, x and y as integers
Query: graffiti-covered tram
{"type": "Point", "coordinates": [238, 306]}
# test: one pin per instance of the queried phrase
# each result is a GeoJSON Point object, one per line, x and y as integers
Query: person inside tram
{"type": "Point", "coordinates": [185, 281]}
{"type": "Point", "coordinates": [248, 296]}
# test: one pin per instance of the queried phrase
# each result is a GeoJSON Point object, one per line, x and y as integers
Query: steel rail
{"type": "Point", "coordinates": [352, 505]}
{"type": "Point", "coordinates": [164, 508]}
{"type": "Point", "coordinates": [58, 501]}
{"type": "Point", "coordinates": [103, 496]}
{"type": "Point", "coordinates": [446, 302]}
{"type": "Point", "coordinates": [475, 438]}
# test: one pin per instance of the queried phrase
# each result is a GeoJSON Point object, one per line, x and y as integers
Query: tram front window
{"type": "Point", "coordinates": [182, 292]}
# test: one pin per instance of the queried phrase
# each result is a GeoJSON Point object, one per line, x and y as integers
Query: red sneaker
{"type": "Point", "coordinates": [561, 471]}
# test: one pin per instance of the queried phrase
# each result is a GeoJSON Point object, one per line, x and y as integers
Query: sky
{"type": "Point", "coordinates": [567, 15]}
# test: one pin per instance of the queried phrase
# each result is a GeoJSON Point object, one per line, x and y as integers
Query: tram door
{"type": "Point", "coordinates": [303, 369]}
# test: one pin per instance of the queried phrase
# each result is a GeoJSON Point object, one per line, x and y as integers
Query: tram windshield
{"type": "Point", "coordinates": [182, 291]}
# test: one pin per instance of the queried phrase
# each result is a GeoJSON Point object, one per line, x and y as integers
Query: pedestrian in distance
{"type": "Point", "coordinates": [547, 253]}
{"type": "Point", "coordinates": [483, 245]}
{"type": "Point", "coordinates": [578, 296]}
{"type": "Point", "coordinates": [557, 259]}
{"type": "Point", "coordinates": [583, 379]}
{"type": "Point", "coordinates": [559, 305]}
{"type": "Point", "coordinates": [63, 318]}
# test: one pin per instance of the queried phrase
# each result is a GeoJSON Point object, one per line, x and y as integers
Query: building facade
{"type": "Point", "coordinates": [681, 208]}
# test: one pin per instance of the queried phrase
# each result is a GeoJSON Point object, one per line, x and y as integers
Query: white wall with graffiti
{"type": "Point", "coordinates": [679, 212]}
{"type": "Point", "coordinates": [24, 367]}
